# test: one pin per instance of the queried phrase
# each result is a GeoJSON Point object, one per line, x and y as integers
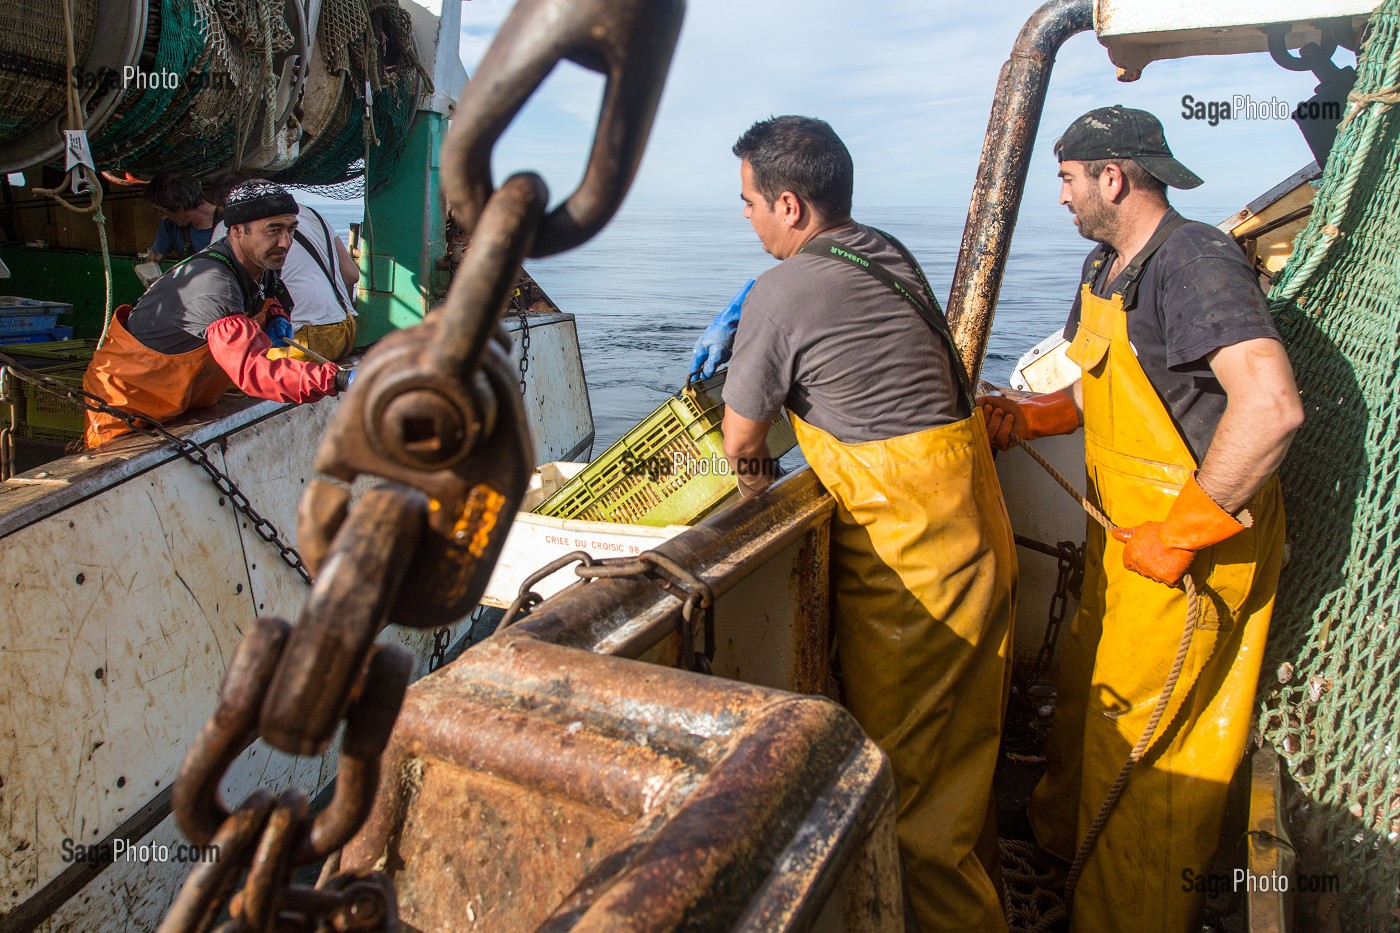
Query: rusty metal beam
{"type": "Point", "coordinates": [627, 617]}
{"type": "Point", "coordinates": [1001, 175]}
{"type": "Point", "coordinates": [533, 787]}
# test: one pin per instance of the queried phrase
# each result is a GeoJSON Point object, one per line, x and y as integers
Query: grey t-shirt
{"type": "Point", "coordinates": [1196, 295]}
{"type": "Point", "coordinates": [840, 348]}
{"type": "Point", "coordinates": [178, 308]}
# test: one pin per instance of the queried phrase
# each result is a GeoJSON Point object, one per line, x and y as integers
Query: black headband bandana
{"type": "Point", "coordinates": [256, 199]}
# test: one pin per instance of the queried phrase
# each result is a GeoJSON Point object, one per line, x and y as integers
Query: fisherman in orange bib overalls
{"type": "Point", "coordinates": [206, 326]}
{"type": "Point", "coordinates": [1188, 407]}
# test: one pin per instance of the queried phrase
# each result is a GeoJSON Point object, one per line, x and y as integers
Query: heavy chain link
{"type": "Point", "coordinates": [524, 319]}
{"type": "Point", "coordinates": [442, 640]}
{"type": "Point", "coordinates": [191, 451]}
{"type": "Point", "coordinates": [1069, 578]}
{"type": "Point", "coordinates": [434, 410]}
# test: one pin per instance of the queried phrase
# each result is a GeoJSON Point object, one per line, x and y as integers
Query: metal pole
{"type": "Point", "coordinates": [1001, 175]}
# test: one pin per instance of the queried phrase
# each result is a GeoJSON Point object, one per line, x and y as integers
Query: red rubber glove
{"type": "Point", "coordinates": [1028, 418]}
{"type": "Point", "coordinates": [239, 346]}
{"type": "Point", "coordinates": [1163, 551]}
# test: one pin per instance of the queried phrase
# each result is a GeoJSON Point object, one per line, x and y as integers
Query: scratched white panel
{"type": "Point", "coordinates": [108, 679]}
{"type": "Point", "coordinates": [120, 612]}
{"type": "Point", "coordinates": [556, 396]}
{"type": "Point", "coordinates": [271, 462]}
{"type": "Point", "coordinates": [166, 591]}
{"type": "Point", "coordinates": [135, 891]}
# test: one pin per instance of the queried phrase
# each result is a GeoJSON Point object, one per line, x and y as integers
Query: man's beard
{"type": "Point", "coordinates": [1096, 219]}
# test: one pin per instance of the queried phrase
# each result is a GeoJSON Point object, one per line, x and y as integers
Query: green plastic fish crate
{"type": "Point", "coordinates": [668, 470]}
{"type": "Point", "coordinates": [44, 415]}
{"type": "Point", "coordinates": [57, 351]}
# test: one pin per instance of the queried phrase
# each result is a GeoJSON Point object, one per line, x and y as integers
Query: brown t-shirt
{"type": "Point", "coordinates": [840, 348]}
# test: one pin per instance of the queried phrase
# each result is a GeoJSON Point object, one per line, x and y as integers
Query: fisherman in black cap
{"type": "Point", "coordinates": [207, 325]}
{"type": "Point", "coordinates": [1188, 406]}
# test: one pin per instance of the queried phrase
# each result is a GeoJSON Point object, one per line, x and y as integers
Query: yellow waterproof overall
{"type": "Point", "coordinates": [1163, 831]}
{"type": "Point", "coordinates": [923, 588]}
{"type": "Point", "coordinates": [332, 341]}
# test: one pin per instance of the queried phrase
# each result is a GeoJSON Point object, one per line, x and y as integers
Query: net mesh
{"type": "Point", "coordinates": [227, 56]}
{"type": "Point", "coordinates": [223, 55]}
{"type": "Point", "coordinates": [371, 45]}
{"type": "Point", "coordinates": [1330, 695]}
{"type": "Point", "coordinates": [34, 44]}
{"type": "Point", "coordinates": [145, 120]}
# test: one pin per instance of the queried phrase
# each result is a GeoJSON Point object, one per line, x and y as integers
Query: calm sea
{"type": "Point", "coordinates": [644, 289]}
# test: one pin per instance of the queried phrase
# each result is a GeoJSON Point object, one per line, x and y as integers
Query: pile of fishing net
{"type": "Point", "coordinates": [240, 85]}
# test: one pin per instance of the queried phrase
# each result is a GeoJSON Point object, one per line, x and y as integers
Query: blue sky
{"type": "Point", "coordinates": [907, 84]}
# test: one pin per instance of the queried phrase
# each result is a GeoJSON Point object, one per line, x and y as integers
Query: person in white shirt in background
{"type": "Point", "coordinates": [320, 274]}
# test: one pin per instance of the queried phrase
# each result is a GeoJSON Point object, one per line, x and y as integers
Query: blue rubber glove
{"type": "Point", "coordinates": [343, 378]}
{"type": "Point", "coordinates": [716, 344]}
{"type": "Point", "coordinates": [280, 330]}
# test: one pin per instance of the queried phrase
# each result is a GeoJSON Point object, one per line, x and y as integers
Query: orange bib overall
{"type": "Point", "coordinates": [127, 374]}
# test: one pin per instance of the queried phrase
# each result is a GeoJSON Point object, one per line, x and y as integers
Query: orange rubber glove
{"type": "Point", "coordinates": [1028, 418]}
{"type": "Point", "coordinates": [1163, 551]}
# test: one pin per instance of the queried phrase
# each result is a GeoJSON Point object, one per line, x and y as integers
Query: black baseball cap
{"type": "Point", "coordinates": [1119, 132]}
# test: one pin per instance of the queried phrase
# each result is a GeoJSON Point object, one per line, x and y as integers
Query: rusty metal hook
{"type": "Point", "coordinates": [368, 724]}
{"type": "Point", "coordinates": [326, 653]}
{"type": "Point", "coordinates": [210, 884]}
{"type": "Point", "coordinates": [447, 386]}
{"type": "Point", "coordinates": [628, 41]}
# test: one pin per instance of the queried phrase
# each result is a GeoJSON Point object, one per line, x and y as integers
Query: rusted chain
{"type": "Point", "coordinates": [697, 599]}
{"type": "Point", "coordinates": [140, 423]}
{"type": "Point", "coordinates": [695, 595]}
{"type": "Point", "coordinates": [527, 599]}
{"type": "Point", "coordinates": [279, 674]}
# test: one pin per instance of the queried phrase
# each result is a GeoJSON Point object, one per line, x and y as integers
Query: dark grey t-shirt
{"type": "Point", "coordinates": [840, 348]}
{"type": "Point", "coordinates": [179, 307]}
{"type": "Point", "coordinates": [1196, 294]}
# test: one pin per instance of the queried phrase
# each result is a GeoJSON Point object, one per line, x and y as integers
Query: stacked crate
{"type": "Point", "coordinates": [28, 320]}
{"type": "Point", "coordinates": [668, 470]}
{"type": "Point", "coordinates": [37, 414]}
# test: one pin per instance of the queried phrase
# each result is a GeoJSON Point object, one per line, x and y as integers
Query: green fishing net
{"type": "Point", "coordinates": [1330, 691]}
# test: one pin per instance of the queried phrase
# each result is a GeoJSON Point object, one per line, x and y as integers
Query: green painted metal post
{"type": "Point", "coordinates": [402, 262]}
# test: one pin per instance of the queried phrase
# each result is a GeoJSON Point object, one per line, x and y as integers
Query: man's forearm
{"type": "Point", "coordinates": [1245, 452]}
{"type": "Point", "coordinates": [746, 449]}
{"type": "Point", "coordinates": [239, 347]}
{"type": "Point", "coordinates": [1262, 411]}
